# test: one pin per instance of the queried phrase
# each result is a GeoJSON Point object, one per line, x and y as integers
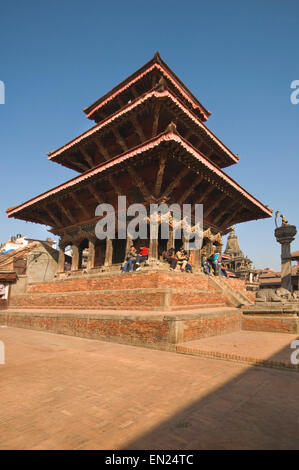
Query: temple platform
{"type": "Point", "coordinates": [141, 328]}
{"type": "Point", "coordinates": [150, 291]}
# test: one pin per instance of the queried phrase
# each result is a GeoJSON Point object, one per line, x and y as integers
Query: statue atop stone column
{"type": "Point", "coordinates": [284, 234]}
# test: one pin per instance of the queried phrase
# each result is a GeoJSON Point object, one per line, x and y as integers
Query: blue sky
{"type": "Point", "coordinates": [238, 59]}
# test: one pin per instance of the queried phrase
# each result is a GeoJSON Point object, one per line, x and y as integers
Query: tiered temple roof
{"type": "Point", "coordinates": [149, 143]}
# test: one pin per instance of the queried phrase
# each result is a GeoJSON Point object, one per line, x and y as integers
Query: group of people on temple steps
{"type": "Point", "coordinates": [175, 259]}
{"type": "Point", "coordinates": [213, 265]}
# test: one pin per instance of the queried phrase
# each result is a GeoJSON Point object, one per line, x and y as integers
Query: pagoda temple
{"type": "Point", "coordinates": [151, 144]}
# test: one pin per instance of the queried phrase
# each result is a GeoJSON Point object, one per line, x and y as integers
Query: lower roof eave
{"type": "Point", "coordinates": [183, 151]}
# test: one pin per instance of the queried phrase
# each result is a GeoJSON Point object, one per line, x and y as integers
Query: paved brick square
{"type": "Point", "coordinates": [62, 392]}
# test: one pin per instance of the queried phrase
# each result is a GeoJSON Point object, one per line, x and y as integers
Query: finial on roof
{"type": "Point", "coordinates": [157, 56]}
{"type": "Point", "coordinates": [171, 127]}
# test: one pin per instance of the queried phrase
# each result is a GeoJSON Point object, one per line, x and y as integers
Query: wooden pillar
{"type": "Point", "coordinates": [128, 245]}
{"type": "Point", "coordinates": [75, 258]}
{"type": "Point", "coordinates": [61, 258]}
{"type": "Point", "coordinates": [170, 243]}
{"type": "Point", "coordinates": [91, 253]}
{"type": "Point", "coordinates": [109, 252]}
{"type": "Point", "coordinates": [153, 248]}
{"type": "Point", "coordinates": [196, 259]}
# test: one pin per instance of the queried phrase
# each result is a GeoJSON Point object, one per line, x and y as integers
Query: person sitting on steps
{"type": "Point", "coordinates": [188, 265]}
{"type": "Point", "coordinates": [205, 265]}
{"type": "Point", "coordinates": [142, 256]}
{"type": "Point", "coordinates": [170, 257]}
{"type": "Point", "coordinates": [130, 260]}
{"type": "Point", "coordinates": [182, 258]}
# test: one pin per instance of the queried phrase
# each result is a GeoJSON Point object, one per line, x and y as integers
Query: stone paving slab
{"type": "Point", "coordinates": [253, 347]}
{"type": "Point", "coordinates": [63, 392]}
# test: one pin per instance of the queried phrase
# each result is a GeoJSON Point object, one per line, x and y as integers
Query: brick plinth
{"type": "Point", "coordinates": [148, 280]}
{"type": "Point", "coordinates": [136, 291]}
{"type": "Point", "coordinates": [267, 323]}
{"type": "Point", "coordinates": [144, 329]}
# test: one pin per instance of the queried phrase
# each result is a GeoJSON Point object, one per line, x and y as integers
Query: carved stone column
{"type": "Point", "coordinates": [285, 235]}
{"type": "Point", "coordinates": [75, 258]}
{"type": "Point", "coordinates": [109, 252]}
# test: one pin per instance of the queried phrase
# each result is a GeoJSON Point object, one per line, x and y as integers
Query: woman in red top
{"type": "Point", "coordinates": [142, 256]}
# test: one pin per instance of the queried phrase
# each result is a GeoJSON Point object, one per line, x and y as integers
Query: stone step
{"type": "Point", "coordinates": [132, 299]}
{"type": "Point", "coordinates": [120, 281]}
{"type": "Point", "coordinates": [155, 329]}
{"type": "Point", "coordinates": [235, 295]}
{"type": "Point", "coordinates": [251, 347]}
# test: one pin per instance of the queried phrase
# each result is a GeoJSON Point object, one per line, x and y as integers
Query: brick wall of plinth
{"type": "Point", "coordinates": [157, 331]}
{"type": "Point", "coordinates": [136, 291]}
{"type": "Point", "coordinates": [186, 298]}
{"type": "Point", "coordinates": [272, 324]}
{"type": "Point", "coordinates": [149, 280]}
{"type": "Point", "coordinates": [133, 299]}
{"type": "Point", "coordinates": [142, 332]}
{"type": "Point", "coordinates": [212, 325]}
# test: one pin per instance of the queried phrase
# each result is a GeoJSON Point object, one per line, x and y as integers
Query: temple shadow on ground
{"type": "Point", "coordinates": [239, 414]}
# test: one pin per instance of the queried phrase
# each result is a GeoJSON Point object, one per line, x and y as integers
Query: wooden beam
{"type": "Point", "coordinates": [120, 101]}
{"type": "Point", "coordinates": [228, 206]}
{"type": "Point", "coordinates": [160, 173]}
{"type": "Point", "coordinates": [102, 149]}
{"type": "Point", "coordinates": [82, 165]}
{"type": "Point", "coordinates": [133, 173]}
{"type": "Point", "coordinates": [79, 203]}
{"type": "Point", "coordinates": [114, 185]}
{"type": "Point", "coordinates": [106, 155]}
{"type": "Point", "coordinates": [87, 157]}
{"type": "Point", "coordinates": [52, 216]}
{"type": "Point", "coordinates": [136, 178]}
{"type": "Point", "coordinates": [94, 193]}
{"type": "Point", "coordinates": [205, 194]}
{"type": "Point", "coordinates": [209, 153]}
{"type": "Point", "coordinates": [66, 212]}
{"type": "Point", "coordinates": [188, 133]}
{"type": "Point", "coordinates": [189, 190]}
{"type": "Point", "coordinates": [75, 165]}
{"type": "Point", "coordinates": [171, 187]}
{"type": "Point", "coordinates": [215, 204]}
{"type": "Point", "coordinates": [119, 139]}
{"type": "Point", "coordinates": [156, 118]}
{"type": "Point", "coordinates": [135, 92]}
{"type": "Point", "coordinates": [138, 129]}
{"type": "Point", "coordinates": [227, 221]}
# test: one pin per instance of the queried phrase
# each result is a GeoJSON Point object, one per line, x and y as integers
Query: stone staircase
{"type": "Point", "coordinates": [235, 297]}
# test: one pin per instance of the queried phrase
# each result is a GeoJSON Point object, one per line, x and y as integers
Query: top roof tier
{"type": "Point", "coordinates": [143, 80]}
{"type": "Point", "coordinates": [138, 109]}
